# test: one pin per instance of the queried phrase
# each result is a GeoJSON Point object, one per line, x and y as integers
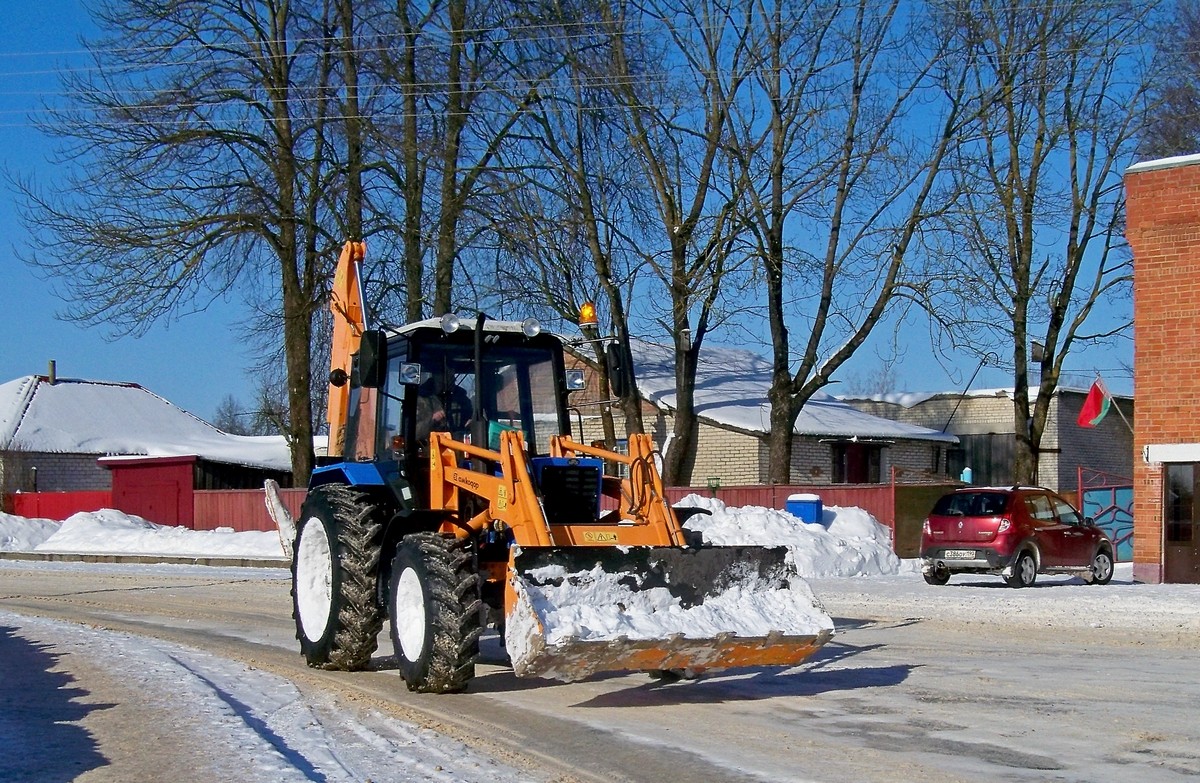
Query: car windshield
{"type": "Point", "coordinates": [972, 504]}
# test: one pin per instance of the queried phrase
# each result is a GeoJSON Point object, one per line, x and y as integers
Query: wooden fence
{"type": "Point", "coordinates": [240, 509]}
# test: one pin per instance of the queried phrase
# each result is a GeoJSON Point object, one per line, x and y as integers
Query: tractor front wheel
{"type": "Point", "coordinates": [334, 571]}
{"type": "Point", "coordinates": [436, 612]}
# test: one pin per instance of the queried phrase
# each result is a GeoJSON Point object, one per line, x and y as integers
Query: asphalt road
{"type": "Point", "coordinates": [945, 684]}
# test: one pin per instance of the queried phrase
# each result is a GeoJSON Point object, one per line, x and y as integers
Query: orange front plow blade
{"type": "Point", "coordinates": [578, 611]}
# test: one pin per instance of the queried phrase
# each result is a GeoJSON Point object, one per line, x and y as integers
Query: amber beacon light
{"type": "Point", "coordinates": [587, 314]}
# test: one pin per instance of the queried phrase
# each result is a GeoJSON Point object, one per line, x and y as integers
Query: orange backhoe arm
{"type": "Point", "coordinates": [349, 323]}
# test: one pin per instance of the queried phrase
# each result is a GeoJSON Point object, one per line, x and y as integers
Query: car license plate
{"type": "Point", "coordinates": [960, 554]}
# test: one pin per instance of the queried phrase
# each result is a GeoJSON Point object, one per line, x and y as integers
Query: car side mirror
{"type": "Point", "coordinates": [1089, 521]}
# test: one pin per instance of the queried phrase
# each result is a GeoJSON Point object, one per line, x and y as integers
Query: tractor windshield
{"type": "Point", "coordinates": [518, 390]}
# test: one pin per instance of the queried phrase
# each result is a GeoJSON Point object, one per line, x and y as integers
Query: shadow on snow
{"type": "Point", "coordinates": [40, 709]}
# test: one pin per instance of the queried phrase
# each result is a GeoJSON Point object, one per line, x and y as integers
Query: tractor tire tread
{"type": "Point", "coordinates": [359, 546]}
{"type": "Point", "coordinates": [457, 613]}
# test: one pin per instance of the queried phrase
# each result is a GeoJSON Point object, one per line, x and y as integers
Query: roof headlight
{"type": "Point", "coordinates": [531, 327]}
{"type": "Point", "coordinates": [450, 323]}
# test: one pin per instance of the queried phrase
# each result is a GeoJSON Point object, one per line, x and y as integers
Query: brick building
{"type": "Point", "coordinates": [983, 422]}
{"type": "Point", "coordinates": [834, 443]}
{"type": "Point", "coordinates": [1163, 228]}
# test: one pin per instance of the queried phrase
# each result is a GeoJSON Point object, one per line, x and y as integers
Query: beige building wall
{"type": "Point", "coordinates": [733, 458]}
{"type": "Point", "coordinates": [1065, 445]}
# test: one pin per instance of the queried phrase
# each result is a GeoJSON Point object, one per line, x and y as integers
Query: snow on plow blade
{"type": "Point", "coordinates": [583, 610]}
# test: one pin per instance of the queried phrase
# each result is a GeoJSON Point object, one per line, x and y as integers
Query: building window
{"type": "Point", "coordinates": [956, 460]}
{"type": "Point", "coordinates": [1180, 506]}
{"type": "Point", "coordinates": [856, 463]}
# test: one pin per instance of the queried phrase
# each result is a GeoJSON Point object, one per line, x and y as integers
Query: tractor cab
{"type": "Point", "coordinates": [431, 376]}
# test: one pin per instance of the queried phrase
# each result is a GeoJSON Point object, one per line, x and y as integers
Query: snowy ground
{"type": "Point", "coordinates": [238, 723]}
{"type": "Point", "coordinates": [264, 728]}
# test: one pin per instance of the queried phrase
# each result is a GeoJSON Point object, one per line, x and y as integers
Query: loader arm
{"type": "Point", "coordinates": [641, 496]}
{"type": "Point", "coordinates": [644, 517]}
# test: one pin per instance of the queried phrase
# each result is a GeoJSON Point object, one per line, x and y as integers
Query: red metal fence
{"type": "Point", "coordinates": [58, 505]}
{"type": "Point", "coordinates": [900, 507]}
{"type": "Point", "coordinates": [240, 509]}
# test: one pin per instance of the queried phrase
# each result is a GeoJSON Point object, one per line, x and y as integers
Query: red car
{"type": "Point", "coordinates": [1013, 532]}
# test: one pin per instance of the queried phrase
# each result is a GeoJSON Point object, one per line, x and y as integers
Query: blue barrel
{"type": "Point", "coordinates": [805, 507]}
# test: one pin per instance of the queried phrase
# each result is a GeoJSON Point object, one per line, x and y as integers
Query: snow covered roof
{"type": "Point", "coordinates": [912, 399]}
{"type": "Point", "coordinates": [731, 390]}
{"type": "Point", "coordinates": [72, 416]}
{"type": "Point", "coordinates": [465, 324]}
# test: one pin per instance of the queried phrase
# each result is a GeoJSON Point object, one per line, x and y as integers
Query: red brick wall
{"type": "Point", "coordinates": [1163, 228]}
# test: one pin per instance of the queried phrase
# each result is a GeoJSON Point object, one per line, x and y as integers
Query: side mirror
{"type": "Point", "coordinates": [1089, 521]}
{"type": "Point", "coordinates": [372, 359]}
{"type": "Point", "coordinates": [618, 372]}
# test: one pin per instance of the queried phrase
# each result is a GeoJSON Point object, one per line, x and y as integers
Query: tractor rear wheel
{"type": "Point", "coordinates": [334, 571]}
{"type": "Point", "coordinates": [436, 612]}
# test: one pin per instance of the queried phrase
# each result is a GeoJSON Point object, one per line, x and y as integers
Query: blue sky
{"type": "Point", "coordinates": [197, 359]}
{"type": "Point", "coordinates": [192, 362]}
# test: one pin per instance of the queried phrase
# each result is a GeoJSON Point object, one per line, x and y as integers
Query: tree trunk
{"type": "Point", "coordinates": [680, 458]}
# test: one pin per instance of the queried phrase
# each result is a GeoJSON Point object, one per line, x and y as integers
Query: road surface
{"type": "Point", "coordinates": [968, 682]}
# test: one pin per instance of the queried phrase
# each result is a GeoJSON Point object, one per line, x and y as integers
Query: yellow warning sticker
{"type": "Point", "coordinates": [593, 537]}
{"type": "Point", "coordinates": [501, 498]}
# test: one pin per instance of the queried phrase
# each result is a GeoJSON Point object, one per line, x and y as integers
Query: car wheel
{"type": "Point", "coordinates": [1024, 571]}
{"type": "Point", "coordinates": [1102, 568]}
{"type": "Point", "coordinates": [937, 576]}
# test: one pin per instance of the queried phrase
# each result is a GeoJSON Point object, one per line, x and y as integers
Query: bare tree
{"type": "Point", "coordinates": [196, 152]}
{"type": "Point", "coordinates": [452, 80]}
{"type": "Point", "coordinates": [570, 221]}
{"type": "Point", "coordinates": [1043, 204]}
{"type": "Point", "coordinates": [1173, 127]}
{"type": "Point", "coordinates": [233, 417]}
{"type": "Point", "coordinates": [676, 122]}
{"type": "Point", "coordinates": [838, 179]}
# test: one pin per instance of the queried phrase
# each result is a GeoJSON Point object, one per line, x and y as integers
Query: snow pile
{"type": "Point", "coordinates": [848, 542]}
{"type": "Point", "coordinates": [114, 532]}
{"type": "Point", "coordinates": [19, 534]}
{"type": "Point", "coordinates": [560, 613]}
{"type": "Point", "coordinates": [597, 604]}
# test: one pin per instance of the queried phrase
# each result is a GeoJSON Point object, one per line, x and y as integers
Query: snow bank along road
{"type": "Point", "coordinates": [969, 682]}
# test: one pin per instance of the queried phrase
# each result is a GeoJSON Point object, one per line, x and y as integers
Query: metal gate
{"type": "Point", "coordinates": [1108, 499]}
